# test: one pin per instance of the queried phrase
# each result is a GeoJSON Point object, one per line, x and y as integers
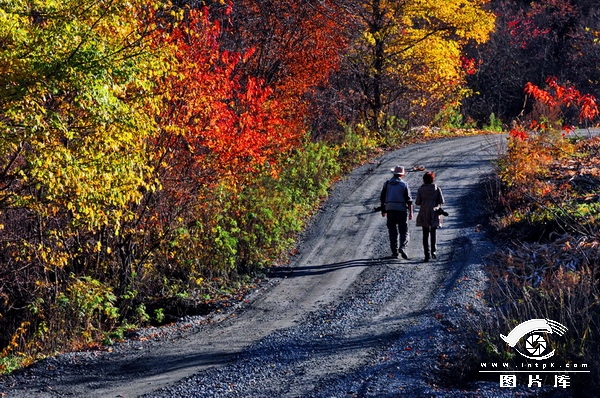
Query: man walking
{"type": "Point", "coordinates": [396, 204]}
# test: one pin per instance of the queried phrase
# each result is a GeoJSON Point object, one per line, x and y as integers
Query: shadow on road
{"type": "Point", "coordinates": [309, 270]}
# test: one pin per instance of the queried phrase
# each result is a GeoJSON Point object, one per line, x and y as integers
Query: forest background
{"type": "Point", "coordinates": [157, 157]}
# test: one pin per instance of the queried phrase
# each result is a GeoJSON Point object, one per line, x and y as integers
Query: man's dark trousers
{"type": "Point", "coordinates": [397, 224]}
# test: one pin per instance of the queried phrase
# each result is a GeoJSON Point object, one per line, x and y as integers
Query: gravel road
{"type": "Point", "coordinates": [339, 320]}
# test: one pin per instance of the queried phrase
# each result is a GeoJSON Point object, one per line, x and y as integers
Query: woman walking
{"type": "Point", "coordinates": [429, 198]}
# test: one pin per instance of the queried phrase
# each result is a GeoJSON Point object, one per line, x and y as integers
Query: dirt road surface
{"type": "Point", "coordinates": [340, 320]}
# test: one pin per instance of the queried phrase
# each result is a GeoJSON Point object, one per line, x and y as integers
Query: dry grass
{"type": "Point", "coordinates": [549, 266]}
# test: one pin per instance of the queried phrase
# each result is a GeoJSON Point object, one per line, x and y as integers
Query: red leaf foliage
{"type": "Point", "coordinates": [543, 20]}
{"type": "Point", "coordinates": [299, 46]}
{"type": "Point", "coordinates": [562, 96]}
{"type": "Point", "coordinates": [518, 133]}
{"type": "Point", "coordinates": [470, 65]}
{"type": "Point", "coordinates": [217, 122]}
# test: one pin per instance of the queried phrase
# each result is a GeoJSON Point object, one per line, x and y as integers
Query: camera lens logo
{"type": "Point", "coordinates": [535, 332]}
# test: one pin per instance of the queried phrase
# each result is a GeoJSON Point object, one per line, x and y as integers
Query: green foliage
{"type": "Point", "coordinates": [159, 315]}
{"type": "Point", "coordinates": [589, 211]}
{"type": "Point", "coordinates": [250, 227]}
{"type": "Point", "coordinates": [84, 311]}
{"type": "Point", "coordinates": [10, 363]}
{"type": "Point", "coordinates": [449, 118]}
{"type": "Point", "coordinates": [276, 208]}
{"type": "Point", "coordinates": [358, 142]}
{"type": "Point", "coordinates": [495, 124]}
{"type": "Point", "coordinates": [76, 110]}
{"type": "Point", "coordinates": [142, 317]}
{"type": "Point", "coordinates": [395, 133]}
{"type": "Point", "coordinates": [118, 333]}
{"type": "Point", "coordinates": [91, 303]}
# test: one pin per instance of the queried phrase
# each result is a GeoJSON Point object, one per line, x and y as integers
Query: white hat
{"type": "Point", "coordinates": [398, 170]}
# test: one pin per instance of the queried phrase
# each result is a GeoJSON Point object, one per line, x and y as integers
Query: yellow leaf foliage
{"type": "Point", "coordinates": [75, 80]}
{"type": "Point", "coordinates": [415, 47]}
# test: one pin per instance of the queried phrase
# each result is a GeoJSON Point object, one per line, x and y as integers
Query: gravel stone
{"type": "Point", "coordinates": [340, 320]}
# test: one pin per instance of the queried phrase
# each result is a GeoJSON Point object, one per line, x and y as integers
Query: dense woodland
{"type": "Point", "coordinates": [157, 156]}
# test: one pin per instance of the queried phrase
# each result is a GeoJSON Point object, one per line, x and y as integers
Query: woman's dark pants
{"type": "Point", "coordinates": [429, 235]}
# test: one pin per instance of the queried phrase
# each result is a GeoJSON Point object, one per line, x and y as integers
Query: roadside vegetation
{"type": "Point", "coordinates": [156, 157]}
{"type": "Point", "coordinates": [547, 207]}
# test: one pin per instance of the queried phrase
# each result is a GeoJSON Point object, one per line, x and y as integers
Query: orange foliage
{"type": "Point", "coordinates": [519, 133]}
{"type": "Point", "coordinates": [562, 96]}
{"type": "Point", "coordinates": [216, 122]}
{"type": "Point", "coordinates": [531, 151]}
{"type": "Point", "coordinates": [298, 46]}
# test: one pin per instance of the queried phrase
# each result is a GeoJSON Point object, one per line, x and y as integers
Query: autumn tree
{"type": "Point", "coordinates": [534, 40]}
{"type": "Point", "coordinates": [76, 110]}
{"type": "Point", "coordinates": [406, 57]}
{"type": "Point", "coordinates": [221, 129]}
{"type": "Point", "coordinates": [298, 45]}
{"type": "Point", "coordinates": [227, 122]}
{"type": "Point", "coordinates": [554, 103]}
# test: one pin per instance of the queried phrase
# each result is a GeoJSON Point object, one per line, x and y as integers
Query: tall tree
{"type": "Point", "coordinates": [72, 106]}
{"type": "Point", "coordinates": [220, 129]}
{"type": "Point", "coordinates": [298, 46]}
{"type": "Point", "coordinates": [407, 55]}
{"type": "Point", "coordinates": [217, 121]}
{"type": "Point", "coordinates": [534, 40]}
{"type": "Point", "coordinates": [76, 81]}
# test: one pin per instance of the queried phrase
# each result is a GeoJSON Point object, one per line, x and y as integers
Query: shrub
{"type": "Point", "coordinates": [548, 183]}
